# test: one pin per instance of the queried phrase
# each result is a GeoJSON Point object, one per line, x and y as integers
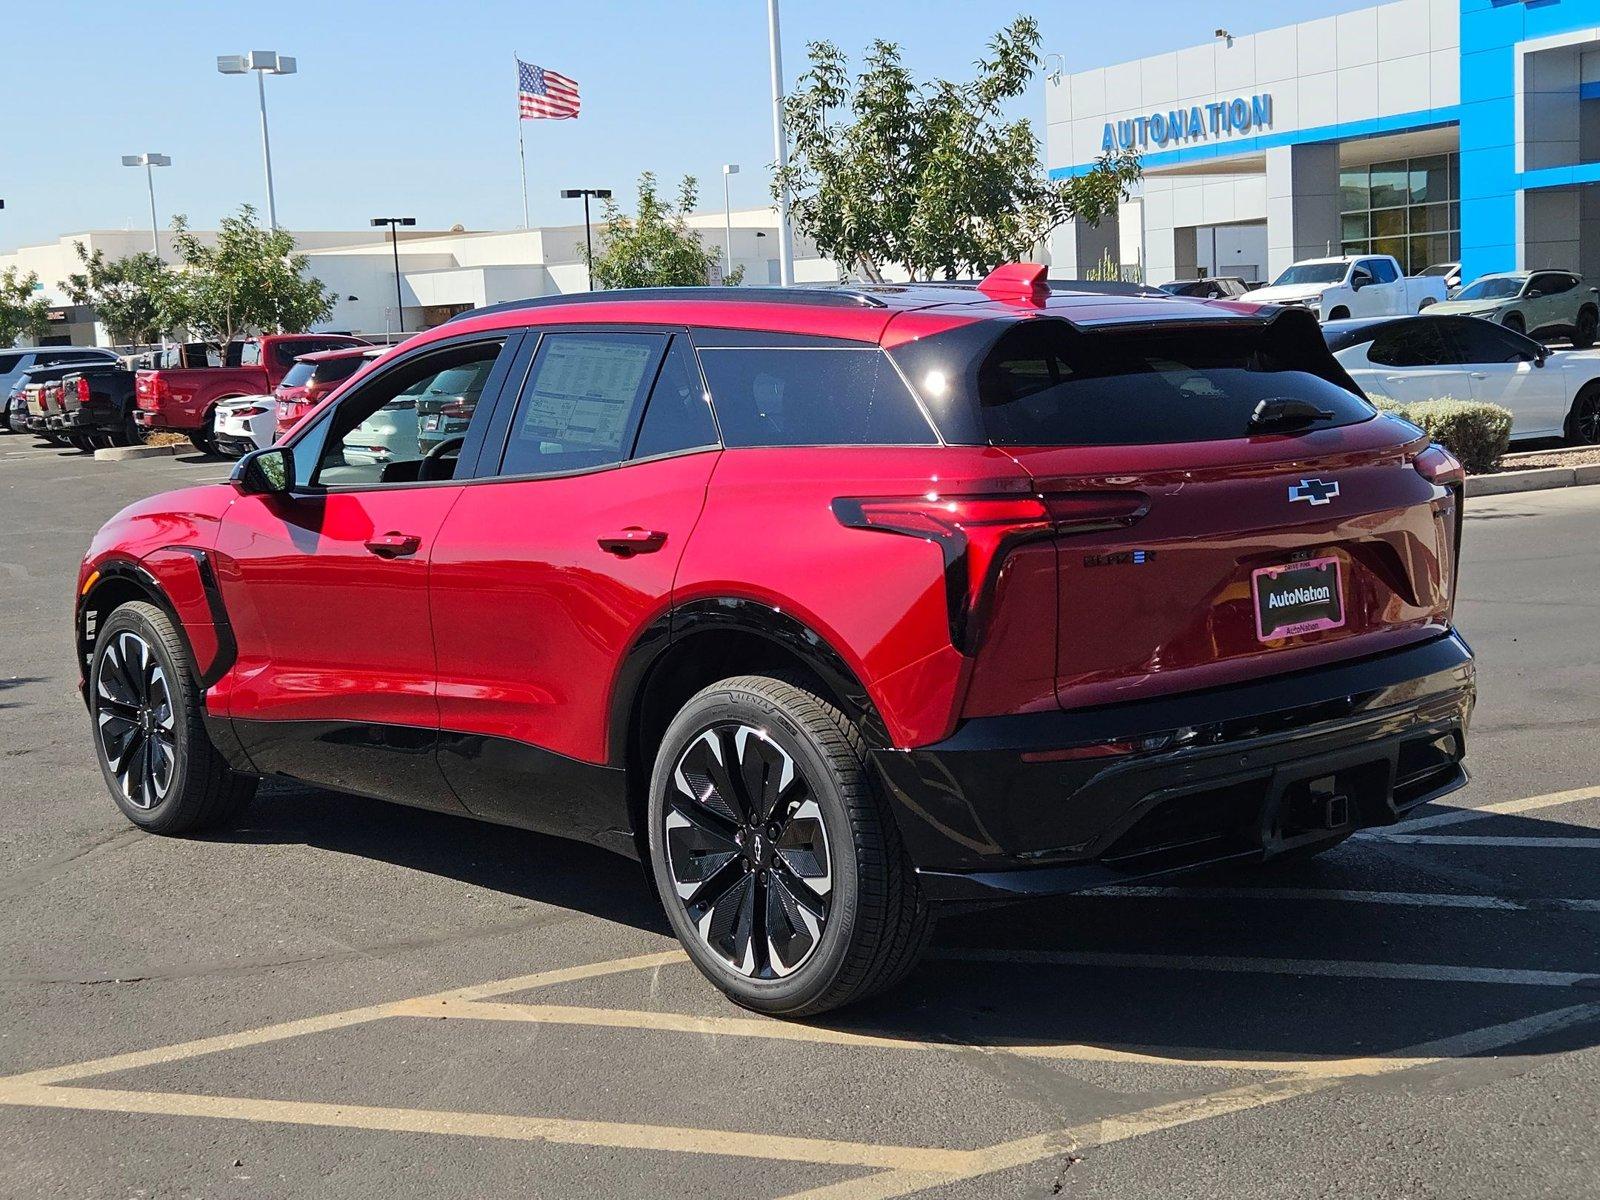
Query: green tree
{"type": "Point", "coordinates": [252, 280]}
{"type": "Point", "coordinates": [129, 295]}
{"type": "Point", "coordinates": [655, 248]}
{"type": "Point", "coordinates": [20, 313]}
{"type": "Point", "coordinates": [930, 176]}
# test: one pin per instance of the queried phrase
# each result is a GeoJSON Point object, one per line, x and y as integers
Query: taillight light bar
{"type": "Point", "coordinates": [1441, 468]}
{"type": "Point", "coordinates": [975, 532]}
{"type": "Point", "coordinates": [83, 390]}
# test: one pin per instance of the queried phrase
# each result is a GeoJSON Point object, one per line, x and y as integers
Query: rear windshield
{"type": "Point", "coordinates": [298, 375]}
{"type": "Point", "coordinates": [1043, 385]}
{"type": "Point", "coordinates": [8, 363]}
{"type": "Point", "coordinates": [332, 370]}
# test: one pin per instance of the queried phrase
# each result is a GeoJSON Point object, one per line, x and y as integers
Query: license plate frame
{"type": "Point", "coordinates": [1311, 614]}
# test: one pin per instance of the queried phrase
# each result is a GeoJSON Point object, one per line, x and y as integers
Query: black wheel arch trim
{"type": "Point", "coordinates": [705, 616]}
{"type": "Point", "coordinates": [130, 571]}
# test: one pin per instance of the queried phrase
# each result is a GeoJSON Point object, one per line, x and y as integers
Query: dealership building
{"type": "Point", "coordinates": [1433, 130]}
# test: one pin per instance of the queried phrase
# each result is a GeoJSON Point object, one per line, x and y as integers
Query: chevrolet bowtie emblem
{"type": "Point", "coordinates": [1314, 491]}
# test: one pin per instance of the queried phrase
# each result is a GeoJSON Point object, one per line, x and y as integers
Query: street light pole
{"type": "Point", "coordinates": [149, 162]}
{"type": "Point", "coordinates": [727, 218]}
{"type": "Point", "coordinates": [263, 63]}
{"type": "Point", "coordinates": [780, 147]}
{"type": "Point", "coordinates": [588, 238]}
{"type": "Point", "coordinates": [394, 224]}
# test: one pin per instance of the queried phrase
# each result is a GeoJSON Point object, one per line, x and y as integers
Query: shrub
{"type": "Point", "coordinates": [1475, 432]}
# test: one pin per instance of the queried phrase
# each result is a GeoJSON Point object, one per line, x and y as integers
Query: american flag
{"type": "Point", "coordinates": [542, 93]}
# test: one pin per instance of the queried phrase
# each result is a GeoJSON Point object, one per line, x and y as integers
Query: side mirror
{"type": "Point", "coordinates": [268, 472]}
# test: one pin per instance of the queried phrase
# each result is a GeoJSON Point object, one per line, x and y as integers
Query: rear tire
{"type": "Point", "coordinates": [146, 720]}
{"type": "Point", "coordinates": [1587, 328]}
{"type": "Point", "coordinates": [781, 870]}
{"type": "Point", "coordinates": [204, 439]}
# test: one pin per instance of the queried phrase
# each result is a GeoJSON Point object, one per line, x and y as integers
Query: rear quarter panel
{"type": "Point", "coordinates": [768, 534]}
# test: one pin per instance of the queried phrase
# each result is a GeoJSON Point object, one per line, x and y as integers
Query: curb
{"type": "Point", "coordinates": [123, 453]}
{"type": "Point", "coordinates": [1537, 480]}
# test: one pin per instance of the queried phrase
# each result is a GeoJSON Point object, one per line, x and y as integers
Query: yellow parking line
{"type": "Point", "coordinates": [1023, 1151]}
{"type": "Point", "coordinates": [616, 1135]}
{"type": "Point", "coordinates": [319, 1024]}
{"type": "Point", "coordinates": [774, 1030]}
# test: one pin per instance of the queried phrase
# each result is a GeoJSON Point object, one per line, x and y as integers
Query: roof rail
{"type": "Point", "coordinates": [826, 297]}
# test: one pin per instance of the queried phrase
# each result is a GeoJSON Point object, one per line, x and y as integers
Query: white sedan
{"type": "Point", "coordinates": [1549, 393]}
{"type": "Point", "coordinates": [246, 423]}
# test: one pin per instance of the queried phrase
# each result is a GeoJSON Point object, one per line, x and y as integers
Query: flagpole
{"type": "Point", "coordinates": [522, 151]}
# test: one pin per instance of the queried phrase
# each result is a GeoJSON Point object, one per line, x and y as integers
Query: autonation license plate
{"type": "Point", "coordinates": [1300, 597]}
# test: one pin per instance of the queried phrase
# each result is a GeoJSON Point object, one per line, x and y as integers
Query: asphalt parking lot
{"type": "Point", "coordinates": [343, 998]}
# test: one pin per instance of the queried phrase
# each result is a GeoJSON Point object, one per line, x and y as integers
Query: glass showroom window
{"type": "Point", "coordinates": [1409, 208]}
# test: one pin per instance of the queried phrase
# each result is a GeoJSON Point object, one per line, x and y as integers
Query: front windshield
{"type": "Point", "coordinates": [1501, 288]}
{"type": "Point", "coordinates": [1311, 273]}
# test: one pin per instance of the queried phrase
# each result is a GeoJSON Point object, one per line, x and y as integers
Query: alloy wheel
{"type": "Point", "coordinates": [748, 851]}
{"type": "Point", "coordinates": [136, 720]}
{"type": "Point", "coordinates": [1586, 424]}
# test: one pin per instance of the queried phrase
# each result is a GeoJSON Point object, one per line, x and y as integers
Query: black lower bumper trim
{"type": "Point", "coordinates": [1051, 802]}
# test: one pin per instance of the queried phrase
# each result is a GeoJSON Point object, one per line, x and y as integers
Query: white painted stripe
{"type": "Point", "coordinates": [1521, 843]}
{"type": "Point", "coordinates": [1350, 896]}
{"type": "Point", "coordinates": [1502, 808]}
{"type": "Point", "coordinates": [1334, 968]}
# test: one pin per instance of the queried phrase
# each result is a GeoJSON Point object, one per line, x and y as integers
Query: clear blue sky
{"type": "Point", "coordinates": [408, 108]}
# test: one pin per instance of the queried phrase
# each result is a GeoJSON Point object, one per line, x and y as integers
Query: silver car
{"type": "Point", "coordinates": [1548, 305]}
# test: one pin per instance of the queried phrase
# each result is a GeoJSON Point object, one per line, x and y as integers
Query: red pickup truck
{"type": "Point", "coordinates": [185, 400]}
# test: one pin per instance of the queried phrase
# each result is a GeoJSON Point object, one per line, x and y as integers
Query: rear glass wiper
{"type": "Point", "coordinates": [1284, 412]}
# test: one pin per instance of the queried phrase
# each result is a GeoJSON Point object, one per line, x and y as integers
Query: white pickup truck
{"type": "Point", "coordinates": [1357, 285]}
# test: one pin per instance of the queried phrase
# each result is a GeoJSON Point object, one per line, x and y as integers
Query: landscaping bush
{"type": "Point", "coordinates": [1475, 432]}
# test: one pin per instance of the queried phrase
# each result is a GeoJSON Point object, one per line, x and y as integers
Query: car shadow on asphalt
{"type": "Point", "coordinates": [1282, 961]}
{"type": "Point", "coordinates": [531, 866]}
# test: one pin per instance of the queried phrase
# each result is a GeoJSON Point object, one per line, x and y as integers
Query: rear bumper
{"type": "Point", "coordinates": [1042, 803]}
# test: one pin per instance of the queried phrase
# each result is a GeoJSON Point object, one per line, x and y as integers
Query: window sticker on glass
{"type": "Point", "coordinates": [584, 392]}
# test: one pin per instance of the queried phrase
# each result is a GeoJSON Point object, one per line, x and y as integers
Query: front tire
{"type": "Point", "coordinates": [1583, 422]}
{"type": "Point", "coordinates": [1515, 323]}
{"type": "Point", "coordinates": [781, 871]}
{"type": "Point", "coordinates": [1341, 313]}
{"type": "Point", "coordinates": [151, 743]}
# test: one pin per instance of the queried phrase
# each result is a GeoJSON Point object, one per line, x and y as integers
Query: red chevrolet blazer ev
{"type": "Point", "coordinates": [831, 605]}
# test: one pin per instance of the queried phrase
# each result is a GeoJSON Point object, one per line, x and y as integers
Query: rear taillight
{"type": "Point", "coordinates": [974, 533]}
{"type": "Point", "coordinates": [1441, 468]}
{"type": "Point", "coordinates": [83, 391]}
{"type": "Point", "coordinates": [457, 410]}
{"type": "Point", "coordinates": [254, 410]}
{"type": "Point", "coordinates": [314, 391]}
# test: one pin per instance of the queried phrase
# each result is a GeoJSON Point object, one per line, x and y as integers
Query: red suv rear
{"type": "Point", "coordinates": [832, 606]}
{"type": "Point", "coordinates": [312, 379]}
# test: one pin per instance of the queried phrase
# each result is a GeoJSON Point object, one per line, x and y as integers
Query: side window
{"type": "Point", "coordinates": [580, 406]}
{"type": "Point", "coordinates": [1415, 343]}
{"type": "Point", "coordinates": [821, 397]}
{"type": "Point", "coordinates": [678, 416]}
{"type": "Point", "coordinates": [1481, 342]}
{"type": "Point", "coordinates": [1382, 269]}
{"type": "Point", "coordinates": [404, 426]}
{"type": "Point", "coordinates": [248, 354]}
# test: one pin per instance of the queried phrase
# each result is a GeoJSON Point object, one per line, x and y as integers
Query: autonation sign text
{"type": "Point", "coordinates": [1218, 119]}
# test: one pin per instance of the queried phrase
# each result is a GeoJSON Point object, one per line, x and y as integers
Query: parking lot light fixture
{"type": "Point", "coordinates": [263, 63]}
{"type": "Point", "coordinates": [149, 162]}
{"type": "Point", "coordinates": [588, 239]}
{"type": "Point", "coordinates": [727, 218]}
{"type": "Point", "coordinates": [394, 224]}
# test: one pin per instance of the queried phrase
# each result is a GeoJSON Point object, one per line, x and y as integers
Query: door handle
{"type": "Point", "coordinates": [1479, 374]}
{"type": "Point", "coordinates": [394, 545]}
{"type": "Point", "coordinates": [625, 543]}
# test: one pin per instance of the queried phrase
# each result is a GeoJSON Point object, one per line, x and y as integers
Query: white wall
{"type": "Point", "coordinates": [1390, 60]}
